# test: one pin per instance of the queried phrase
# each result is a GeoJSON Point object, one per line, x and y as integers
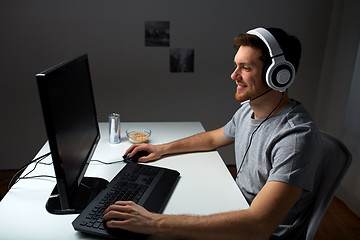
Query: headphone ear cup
{"type": "Point", "coordinates": [280, 75]}
{"type": "Point", "coordinates": [277, 73]}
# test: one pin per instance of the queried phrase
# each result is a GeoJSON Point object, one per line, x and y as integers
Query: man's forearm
{"type": "Point", "coordinates": [194, 143]}
{"type": "Point", "coordinates": [205, 141]}
{"type": "Point", "coordinates": [232, 225]}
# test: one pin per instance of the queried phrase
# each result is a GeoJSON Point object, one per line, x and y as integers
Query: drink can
{"type": "Point", "coordinates": [114, 128]}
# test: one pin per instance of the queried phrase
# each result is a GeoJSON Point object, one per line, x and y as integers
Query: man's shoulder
{"type": "Point", "coordinates": [296, 114]}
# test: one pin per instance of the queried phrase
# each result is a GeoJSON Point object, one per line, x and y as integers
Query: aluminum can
{"type": "Point", "coordinates": [114, 128]}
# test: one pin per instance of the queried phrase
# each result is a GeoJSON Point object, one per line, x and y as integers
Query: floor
{"type": "Point", "coordinates": [339, 221]}
{"type": "Point", "coordinates": [5, 176]}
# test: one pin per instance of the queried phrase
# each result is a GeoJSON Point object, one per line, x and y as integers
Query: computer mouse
{"type": "Point", "coordinates": [136, 157]}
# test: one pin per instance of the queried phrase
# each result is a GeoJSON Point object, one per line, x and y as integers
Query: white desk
{"type": "Point", "coordinates": [205, 185]}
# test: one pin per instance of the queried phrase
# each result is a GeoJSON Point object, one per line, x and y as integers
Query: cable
{"type": "Point", "coordinates": [252, 134]}
{"type": "Point", "coordinates": [25, 177]}
{"type": "Point", "coordinates": [107, 163]}
{"type": "Point", "coordinates": [39, 159]}
{"type": "Point", "coordinates": [37, 176]}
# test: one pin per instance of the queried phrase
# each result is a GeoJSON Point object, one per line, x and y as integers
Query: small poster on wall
{"type": "Point", "coordinates": [182, 59]}
{"type": "Point", "coordinates": [157, 33]}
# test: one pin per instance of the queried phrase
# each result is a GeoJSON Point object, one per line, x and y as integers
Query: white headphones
{"type": "Point", "coordinates": [279, 74]}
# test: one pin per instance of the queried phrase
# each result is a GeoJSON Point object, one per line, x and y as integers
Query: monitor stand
{"type": "Point", "coordinates": [89, 188]}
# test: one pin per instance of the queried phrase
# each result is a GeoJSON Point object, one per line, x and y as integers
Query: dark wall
{"type": "Point", "coordinates": [135, 80]}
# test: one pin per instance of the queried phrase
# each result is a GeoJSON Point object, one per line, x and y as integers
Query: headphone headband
{"type": "Point", "coordinates": [269, 40]}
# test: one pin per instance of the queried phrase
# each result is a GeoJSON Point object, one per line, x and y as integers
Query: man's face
{"type": "Point", "coordinates": [248, 74]}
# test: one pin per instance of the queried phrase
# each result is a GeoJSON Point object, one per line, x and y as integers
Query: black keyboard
{"type": "Point", "coordinates": [145, 185]}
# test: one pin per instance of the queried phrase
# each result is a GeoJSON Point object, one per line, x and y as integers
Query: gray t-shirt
{"type": "Point", "coordinates": [285, 148]}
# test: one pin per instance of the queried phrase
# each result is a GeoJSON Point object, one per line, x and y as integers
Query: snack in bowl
{"type": "Point", "coordinates": [138, 135]}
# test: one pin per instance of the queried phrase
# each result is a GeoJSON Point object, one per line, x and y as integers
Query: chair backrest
{"type": "Point", "coordinates": [337, 160]}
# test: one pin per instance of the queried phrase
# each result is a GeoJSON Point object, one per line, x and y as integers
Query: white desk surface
{"type": "Point", "coordinates": [205, 185]}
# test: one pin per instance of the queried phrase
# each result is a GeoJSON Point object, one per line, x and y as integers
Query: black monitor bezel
{"type": "Point", "coordinates": [66, 191]}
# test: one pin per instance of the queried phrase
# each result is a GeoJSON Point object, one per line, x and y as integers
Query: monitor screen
{"type": "Point", "coordinates": [69, 112]}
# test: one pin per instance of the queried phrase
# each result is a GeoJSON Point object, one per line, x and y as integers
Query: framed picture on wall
{"type": "Point", "coordinates": [157, 33]}
{"type": "Point", "coordinates": [182, 59]}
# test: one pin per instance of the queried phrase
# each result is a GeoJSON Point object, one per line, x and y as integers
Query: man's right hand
{"type": "Point", "coordinates": [154, 151]}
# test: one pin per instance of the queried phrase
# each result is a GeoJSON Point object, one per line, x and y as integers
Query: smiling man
{"type": "Point", "coordinates": [277, 151]}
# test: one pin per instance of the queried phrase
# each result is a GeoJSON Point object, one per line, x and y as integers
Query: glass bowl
{"type": "Point", "coordinates": [138, 135]}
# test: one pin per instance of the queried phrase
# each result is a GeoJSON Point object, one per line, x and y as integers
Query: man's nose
{"type": "Point", "coordinates": [235, 74]}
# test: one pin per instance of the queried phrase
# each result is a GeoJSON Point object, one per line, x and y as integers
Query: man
{"type": "Point", "coordinates": [277, 151]}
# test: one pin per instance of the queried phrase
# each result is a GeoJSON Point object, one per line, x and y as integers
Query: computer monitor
{"type": "Point", "coordinates": [68, 106]}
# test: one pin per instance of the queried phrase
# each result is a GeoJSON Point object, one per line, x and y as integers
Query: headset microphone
{"type": "Point", "coordinates": [247, 101]}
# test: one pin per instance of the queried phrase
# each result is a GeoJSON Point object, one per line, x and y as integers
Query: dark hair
{"type": "Point", "coordinates": [290, 45]}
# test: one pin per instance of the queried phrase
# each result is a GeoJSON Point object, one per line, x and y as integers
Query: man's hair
{"type": "Point", "coordinates": [290, 45]}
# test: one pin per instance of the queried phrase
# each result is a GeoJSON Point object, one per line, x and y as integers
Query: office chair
{"type": "Point", "coordinates": [337, 160]}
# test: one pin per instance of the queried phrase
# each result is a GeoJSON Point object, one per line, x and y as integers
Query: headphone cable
{"type": "Point", "coordinates": [252, 134]}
